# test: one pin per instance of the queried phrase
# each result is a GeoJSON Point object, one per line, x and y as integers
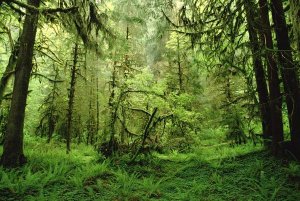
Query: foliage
{"type": "Point", "coordinates": [211, 173]}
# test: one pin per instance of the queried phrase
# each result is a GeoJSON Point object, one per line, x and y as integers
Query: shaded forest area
{"type": "Point", "coordinates": [149, 100]}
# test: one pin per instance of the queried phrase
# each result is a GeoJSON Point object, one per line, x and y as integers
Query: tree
{"type": "Point", "coordinates": [13, 145]}
{"type": "Point", "coordinates": [288, 71]}
{"type": "Point", "coordinates": [258, 67]}
{"type": "Point", "coordinates": [71, 97]}
{"type": "Point", "coordinates": [295, 17]}
{"type": "Point", "coordinates": [275, 102]}
{"type": "Point", "coordinates": [50, 110]}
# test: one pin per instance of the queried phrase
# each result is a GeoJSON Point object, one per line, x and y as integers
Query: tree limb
{"type": "Point", "coordinates": [16, 9]}
{"type": "Point", "coordinates": [140, 110]}
{"type": "Point", "coordinates": [41, 10]}
{"type": "Point", "coordinates": [126, 129]}
{"type": "Point", "coordinates": [148, 128]}
{"type": "Point", "coordinates": [43, 76]}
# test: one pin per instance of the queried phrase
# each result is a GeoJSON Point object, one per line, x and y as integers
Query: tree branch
{"type": "Point", "coordinates": [139, 110]}
{"type": "Point", "coordinates": [41, 10]}
{"type": "Point", "coordinates": [145, 135]}
{"type": "Point", "coordinates": [43, 76]}
{"type": "Point", "coordinates": [16, 9]}
{"type": "Point", "coordinates": [126, 129]}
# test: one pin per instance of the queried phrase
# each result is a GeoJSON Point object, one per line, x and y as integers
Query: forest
{"type": "Point", "coordinates": [149, 100]}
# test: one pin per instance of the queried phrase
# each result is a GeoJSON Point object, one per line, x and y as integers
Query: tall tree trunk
{"type": "Point", "coordinates": [273, 78]}
{"type": "Point", "coordinates": [289, 71]}
{"type": "Point", "coordinates": [261, 84]}
{"type": "Point", "coordinates": [91, 120]}
{"type": "Point", "coordinates": [53, 117]}
{"type": "Point", "coordinates": [71, 99]}
{"type": "Point", "coordinates": [13, 154]}
{"type": "Point", "coordinates": [113, 108]}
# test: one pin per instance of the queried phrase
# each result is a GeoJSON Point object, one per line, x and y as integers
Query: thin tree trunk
{"type": "Point", "coordinates": [91, 124]}
{"type": "Point", "coordinates": [273, 78]}
{"type": "Point", "coordinates": [123, 129]}
{"type": "Point", "coordinates": [113, 108]}
{"type": "Point", "coordinates": [180, 74]}
{"type": "Point", "coordinates": [145, 135]}
{"type": "Point", "coordinates": [52, 119]}
{"type": "Point", "coordinates": [289, 71]}
{"type": "Point", "coordinates": [13, 154]}
{"type": "Point", "coordinates": [259, 71]}
{"type": "Point", "coordinates": [71, 99]}
{"type": "Point", "coordinates": [9, 71]}
{"type": "Point", "coordinates": [97, 109]}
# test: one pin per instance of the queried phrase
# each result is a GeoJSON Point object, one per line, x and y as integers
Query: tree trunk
{"type": "Point", "coordinates": [295, 17]}
{"type": "Point", "coordinates": [13, 154]}
{"type": "Point", "coordinates": [273, 78]}
{"type": "Point", "coordinates": [145, 135]}
{"type": "Point", "coordinates": [289, 71]}
{"type": "Point", "coordinates": [9, 71]}
{"type": "Point", "coordinates": [97, 110]}
{"type": "Point", "coordinates": [113, 108]}
{"type": "Point", "coordinates": [71, 99]}
{"type": "Point", "coordinates": [258, 70]}
{"type": "Point", "coordinates": [180, 73]}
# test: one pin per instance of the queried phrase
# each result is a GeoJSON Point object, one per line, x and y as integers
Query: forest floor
{"type": "Point", "coordinates": [209, 173]}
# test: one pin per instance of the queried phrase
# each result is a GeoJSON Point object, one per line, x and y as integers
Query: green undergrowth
{"type": "Point", "coordinates": [208, 173]}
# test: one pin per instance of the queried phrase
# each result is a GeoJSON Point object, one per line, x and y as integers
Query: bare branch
{"type": "Point", "coordinates": [140, 110]}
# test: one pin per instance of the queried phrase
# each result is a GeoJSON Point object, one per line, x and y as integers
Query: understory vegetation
{"type": "Point", "coordinates": [239, 173]}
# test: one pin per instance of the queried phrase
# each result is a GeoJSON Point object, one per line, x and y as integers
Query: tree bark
{"type": "Point", "coordinates": [261, 84]}
{"type": "Point", "coordinates": [97, 109]}
{"type": "Point", "coordinates": [289, 71]}
{"type": "Point", "coordinates": [71, 99]}
{"type": "Point", "coordinates": [113, 110]}
{"type": "Point", "coordinates": [9, 71]}
{"type": "Point", "coordinates": [145, 135]}
{"type": "Point", "coordinates": [13, 154]}
{"type": "Point", "coordinates": [273, 78]}
{"type": "Point", "coordinates": [180, 73]}
{"type": "Point", "coordinates": [295, 18]}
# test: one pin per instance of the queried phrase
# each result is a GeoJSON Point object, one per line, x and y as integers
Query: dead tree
{"type": "Point", "coordinates": [145, 135]}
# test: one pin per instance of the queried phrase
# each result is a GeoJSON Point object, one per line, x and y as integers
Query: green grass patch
{"type": "Point", "coordinates": [208, 173]}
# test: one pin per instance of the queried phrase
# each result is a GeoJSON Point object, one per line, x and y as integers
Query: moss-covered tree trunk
{"type": "Point", "coordinates": [289, 72]}
{"type": "Point", "coordinates": [71, 99]}
{"type": "Point", "coordinates": [273, 78]}
{"type": "Point", "coordinates": [13, 154]}
{"type": "Point", "coordinates": [9, 71]}
{"type": "Point", "coordinates": [113, 110]}
{"type": "Point", "coordinates": [295, 18]}
{"type": "Point", "coordinates": [261, 84]}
